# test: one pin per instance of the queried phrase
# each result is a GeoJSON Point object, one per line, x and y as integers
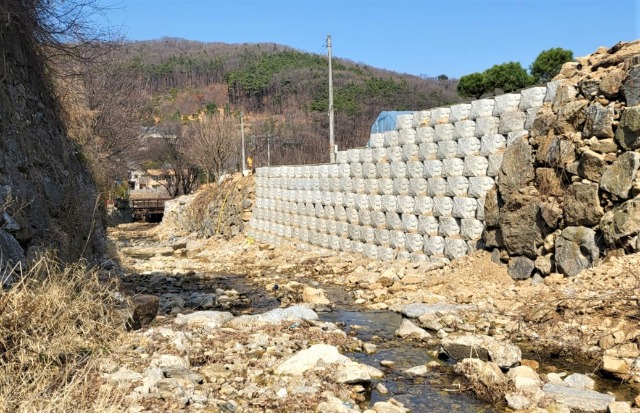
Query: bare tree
{"type": "Point", "coordinates": [211, 143]}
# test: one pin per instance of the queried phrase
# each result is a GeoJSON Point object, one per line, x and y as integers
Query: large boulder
{"type": "Point", "coordinates": [582, 205]}
{"type": "Point", "coordinates": [556, 151]}
{"type": "Point", "coordinates": [277, 315]}
{"type": "Point", "coordinates": [619, 176]}
{"type": "Point", "coordinates": [591, 165]}
{"type": "Point", "coordinates": [577, 399]}
{"type": "Point", "coordinates": [521, 225]}
{"type": "Point", "coordinates": [204, 319]}
{"type": "Point", "coordinates": [517, 168]}
{"type": "Point", "coordinates": [599, 121]}
{"type": "Point", "coordinates": [576, 250]}
{"type": "Point", "coordinates": [628, 132]}
{"type": "Point", "coordinates": [631, 87]}
{"type": "Point", "coordinates": [621, 222]}
{"type": "Point", "coordinates": [485, 348]}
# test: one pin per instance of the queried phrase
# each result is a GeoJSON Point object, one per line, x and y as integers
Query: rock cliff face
{"type": "Point", "coordinates": [47, 197]}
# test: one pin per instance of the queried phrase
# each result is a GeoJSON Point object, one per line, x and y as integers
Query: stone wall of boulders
{"type": "Point", "coordinates": [219, 209]}
{"type": "Point", "coordinates": [545, 178]}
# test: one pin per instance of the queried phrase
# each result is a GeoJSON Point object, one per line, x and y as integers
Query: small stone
{"type": "Point", "coordinates": [282, 393]}
{"type": "Point", "coordinates": [520, 268]}
{"type": "Point", "coordinates": [370, 348]}
{"type": "Point", "coordinates": [579, 381]}
{"type": "Point", "coordinates": [381, 388]}
{"type": "Point", "coordinates": [417, 371]}
{"type": "Point", "coordinates": [619, 407]}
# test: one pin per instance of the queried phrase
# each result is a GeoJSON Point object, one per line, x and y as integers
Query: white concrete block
{"type": "Point", "coordinates": [442, 206]}
{"type": "Point", "coordinates": [364, 217]}
{"type": "Point", "coordinates": [384, 170]}
{"type": "Point", "coordinates": [479, 186]}
{"type": "Point", "coordinates": [304, 235]}
{"type": "Point", "coordinates": [475, 166]}
{"type": "Point", "coordinates": [481, 108]}
{"type": "Point", "coordinates": [552, 88]}
{"type": "Point", "coordinates": [410, 152]}
{"type": "Point", "coordinates": [404, 121]}
{"type": "Point", "coordinates": [407, 136]}
{"type": "Point", "coordinates": [389, 203]}
{"type": "Point", "coordinates": [405, 204]}
{"type": "Point", "coordinates": [398, 239]}
{"type": "Point", "coordinates": [512, 122]}
{"type": "Point", "coordinates": [393, 221]}
{"type": "Point", "coordinates": [342, 228]}
{"type": "Point", "coordinates": [464, 129]}
{"type": "Point", "coordinates": [532, 97]}
{"type": "Point", "coordinates": [433, 168]}
{"type": "Point", "coordinates": [319, 209]}
{"type": "Point", "coordinates": [444, 132]}
{"type": "Point", "coordinates": [452, 167]}
{"type": "Point", "coordinates": [317, 198]}
{"type": "Point", "coordinates": [471, 229]}
{"type": "Point", "coordinates": [457, 186]}
{"type": "Point", "coordinates": [368, 235]}
{"type": "Point", "coordinates": [323, 171]}
{"type": "Point", "coordinates": [356, 169]}
{"type": "Point", "coordinates": [403, 255]}
{"type": "Point", "coordinates": [313, 237]}
{"type": "Point", "coordinates": [381, 237]}
{"type": "Point", "coordinates": [334, 171]}
{"type": "Point", "coordinates": [355, 232]}
{"type": "Point", "coordinates": [417, 186]}
{"type": "Point", "coordinates": [338, 199]}
{"type": "Point", "coordinates": [371, 186]}
{"type": "Point", "coordinates": [459, 112]}
{"type": "Point", "coordinates": [370, 251]}
{"type": "Point", "coordinates": [421, 118]}
{"type": "Point", "coordinates": [315, 171]}
{"type": "Point", "coordinates": [447, 149]}
{"type": "Point", "coordinates": [325, 184]}
{"type": "Point", "coordinates": [449, 227]}
{"type": "Point", "coordinates": [439, 116]}
{"type": "Point", "coordinates": [414, 242]}
{"type": "Point", "coordinates": [454, 248]}
{"type": "Point", "coordinates": [532, 114]}
{"type": "Point", "coordinates": [380, 155]}
{"type": "Point", "coordinates": [433, 245]}
{"type": "Point", "coordinates": [334, 242]}
{"type": "Point", "coordinates": [321, 226]}
{"type": "Point", "coordinates": [376, 140]}
{"type": "Point", "coordinates": [295, 233]}
{"type": "Point", "coordinates": [415, 169]}
{"type": "Point", "coordinates": [336, 185]}
{"type": "Point", "coordinates": [398, 170]}
{"type": "Point", "coordinates": [424, 134]}
{"type": "Point", "coordinates": [394, 154]}
{"type": "Point", "coordinates": [375, 202]}
{"type": "Point", "coordinates": [423, 205]}
{"type": "Point", "coordinates": [495, 162]}
{"type": "Point", "coordinates": [464, 207]}
{"type": "Point", "coordinates": [409, 223]}
{"type": "Point", "coordinates": [357, 247]}
{"type": "Point", "coordinates": [350, 200]}
{"type": "Point", "coordinates": [428, 151]}
{"type": "Point", "coordinates": [391, 138]}
{"type": "Point", "coordinates": [468, 146]}
{"type": "Point", "coordinates": [329, 212]}
{"type": "Point", "coordinates": [345, 169]}
{"type": "Point", "coordinates": [378, 219]}
{"type": "Point", "coordinates": [345, 245]}
{"type": "Point", "coordinates": [418, 257]}
{"type": "Point", "coordinates": [490, 144]}
{"type": "Point", "coordinates": [385, 186]}
{"type": "Point", "coordinates": [354, 155]}
{"type": "Point", "coordinates": [369, 170]}
{"type": "Point", "coordinates": [310, 209]}
{"type": "Point", "coordinates": [436, 186]}
{"type": "Point", "coordinates": [428, 225]}
{"type": "Point", "coordinates": [359, 185]}
{"type": "Point", "coordinates": [386, 253]}
{"type": "Point", "coordinates": [362, 201]}
{"type": "Point", "coordinates": [506, 103]}
{"type": "Point", "coordinates": [401, 186]}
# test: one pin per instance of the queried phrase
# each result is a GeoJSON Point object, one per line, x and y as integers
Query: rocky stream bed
{"type": "Point", "coordinates": [244, 327]}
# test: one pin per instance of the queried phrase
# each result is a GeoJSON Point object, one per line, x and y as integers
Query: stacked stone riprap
{"type": "Point", "coordinates": [546, 177]}
{"type": "Point", "coordinates": [417, 192]}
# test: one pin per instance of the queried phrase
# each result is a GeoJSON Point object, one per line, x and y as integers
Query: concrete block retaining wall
{"type": "Point", "coordinates": [414, 193]}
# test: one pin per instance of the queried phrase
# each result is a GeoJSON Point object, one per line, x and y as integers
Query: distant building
{"type": "Point", "coordinates": [150, 183]}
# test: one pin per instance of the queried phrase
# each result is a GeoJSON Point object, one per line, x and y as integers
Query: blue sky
{"type": "Point", "coordinates": [431, 37]}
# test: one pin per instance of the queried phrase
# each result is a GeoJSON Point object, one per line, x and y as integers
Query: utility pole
{"type": "Point", "coordinates": [332, 144]}
{"type": "Point", "coordinates": [244, 165]}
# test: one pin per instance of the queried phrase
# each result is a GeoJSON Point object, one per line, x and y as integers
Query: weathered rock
{"type": "Point", "coordinates": [619, 407]}
{"type": "Point", "coordinates": [277, 315]}
{"type": "Point", "coordinates": [582, 205]}
{"type": "Point", "coordinates": [200, 300]}
{"type": "Point", "coordinates": [572, 116]}
{"type": "Point", "coordinates": [525, 379]}
{"type": "Point", "coordinates": [628, 132]}
{"type": "Point", "coordinates": [591, 165]}
{"type": "Point", "coordinates": [408, 330]}
{"type": "Point", "coordinates": [491, 208]}
{"type": "Point", "coordinates": [589, 87]}
{"type": "Point", "coordinates": [543, 264]}
{"type": "Point", "coordinates": [485, 372]}
{"type": "Point", "coordinates": [544, 121]}
{"type": "Point", "coordinates": [308, 358]}
{"type": "Point", "coordinates": [576, 250]}
{"type": "Point", "coordinates": [522, 227]}
{"type": "Point", "coordinates": [11, 251]}
{"type": "Point", "coordinates": [631, 87]}
{"type": "Point", "coordinates": [517, 168]}
{"type": "Point", "coordinates": [603, 145]}
{"type": "Point", "coordinates": [353, 373]}
{"type": "Point", "coordinates": [314, 296]}
{"type": "Point", "coordinates": [599, 121]}
{"type": "Point", "coordinates": [580, 400]}
{"type": "Point", "coordinates": [389, 407]}
{"type": "Point", "coordinates": [611, 83]}
{"type": "Point", "coordinates": [556, 151]}
{"type": "Point", "coordinates": [520, 268]}
{"type": "Point", "coordinates": [492, 237]}
{"type": "Point", "coordinates": [549, 182]}
{"type": "Point", "coordinates": [622, 221]}
{"type": "Point", "coordinates": [145, 309]}
{"type": "Point", "coordinates": [518, 401]}
{"type": "Point", "coordinates": [204, 319]}
{"type": "Point", "coordinates": [579, 381]}
{"type": "Point", "coordinates": [565, 93]}
{"type": "Point", "coordinates": [416, 310]}
{"type": "Point", "coordinates": [485, 348]}
{"type": "Point", "coordinates": [334, 405]}
{"type": "Point", "coordinates": [618, 177]}
{"type": "Point", "coordinates": [616, 366]}
{"type": "Point", "coordinates": [551, 212]}
{"type": "Point", "coordinates": [417, 371]}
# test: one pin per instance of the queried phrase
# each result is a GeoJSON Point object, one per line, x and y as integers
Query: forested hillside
{"type": "Point", "coordinates": [282, 92]}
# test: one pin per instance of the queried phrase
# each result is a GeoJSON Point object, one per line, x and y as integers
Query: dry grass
{"type": "Point", "coordinates": [55, 326]}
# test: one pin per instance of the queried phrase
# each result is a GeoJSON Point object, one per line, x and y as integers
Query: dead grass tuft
{"type": "Point", "coordinates": [55, 325]}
